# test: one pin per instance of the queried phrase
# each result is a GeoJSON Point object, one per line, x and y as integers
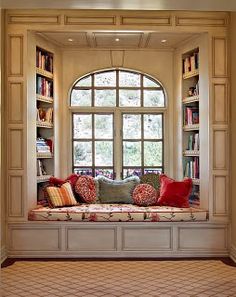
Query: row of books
{"type": "Point", "coordinates": [44, 61]}
{"type": "Point", "coordinates": [44, 146]}
{"type": "Point", "coordinates": [191, 115]}
{"type": "Point", "coordinates": [191, 63]}
{"type": "Point", "coordinates": [194, 91]}
{"type": "Point", "coordinates": [44, 87]}
{"type": "Point", "coordinates": [192, 168]}
{"type": "Point", "coordinates": [45, 115]}
{"type": "Point", "coordinates": [40, 168]}
{"type": "Point", "coordinates": [193, 142]}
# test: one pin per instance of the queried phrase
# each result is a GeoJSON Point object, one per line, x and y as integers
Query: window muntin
{"type": "Point", "coordinates": [141, 132]}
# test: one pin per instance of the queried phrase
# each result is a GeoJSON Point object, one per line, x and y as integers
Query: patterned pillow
{"type": "Point", "coordinates": [62, 196]}
{"type": "Point", "coordinates": [152, 179]}
{"type": "Point", "coordinates": [145, 195]}
{"type": "Point", "coordinates": [85, 186]}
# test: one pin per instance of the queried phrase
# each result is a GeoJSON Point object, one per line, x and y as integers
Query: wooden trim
{"type": "Point", "coordinates": [36, 19]}
{"type": "Point", "coordinates": [201, 21]}
{"type": "Point", "coordinates": [10, 104]}
{"type": "Point", "coordinates": [89, 20]}
{"type": "Point", "coordinates": [224, 197]}
{"type": "Point", "coordinates": [219, 70]}
{"type": "Point", "coordinates": [149, 21]}
{"type": "Point", "coordinates": [20, 195]}
{"type": "Point", "coordinates": [19, 58]}
{"type": "Point", "coordinates": [14, 152]}
{"type": "Point", "coordinates": [224, 103]}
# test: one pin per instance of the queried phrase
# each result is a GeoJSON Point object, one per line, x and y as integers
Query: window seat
{"type": "Point", "coordinates": [118, 213]}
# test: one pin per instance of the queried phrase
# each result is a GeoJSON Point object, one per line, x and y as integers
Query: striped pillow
{"type": "Point", "coordinates": [62, 196]}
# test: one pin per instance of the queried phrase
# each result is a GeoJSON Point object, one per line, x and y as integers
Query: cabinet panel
{"type": "Point", "coordinates": [220, 149]}
{"type": "Point", "coordinates": [91, 239]}
{"type": "Point", "coordinates": [15, 103]}
{"type": "Point", "coordinates": [15, 154]}
{"type": "Point", "coordinates": [220, 104]}
{"type": "Point", "coordinates": [220, 195]}
{"type": "Point", "coordinates": [219, 46]}
{"type": "Point", "coordinates": [15, 196]}
{"type": "Point", "coordinates": [141, 239]}
{"type": "Point", "coordinates": [15, 61]}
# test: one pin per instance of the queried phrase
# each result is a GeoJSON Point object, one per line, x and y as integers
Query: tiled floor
{"type": "Point", "coordinates": [200, 278]}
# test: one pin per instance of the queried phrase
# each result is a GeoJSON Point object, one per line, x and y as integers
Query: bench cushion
{"type": "Point", "coordinates": [118, 213]}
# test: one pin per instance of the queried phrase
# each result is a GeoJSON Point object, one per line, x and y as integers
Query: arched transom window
{"type": "Point", "coordinates": [117, 124]}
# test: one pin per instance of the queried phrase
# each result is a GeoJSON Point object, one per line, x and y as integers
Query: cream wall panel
{"type": "Point", "coordinates": [146, 239]}
{"type": "Point", "coordinates": [15, 55]}
{"type": "Point", "coordinates": [220, 195]}
{"type": "Point", "coordinates": [117, 58]}
{"type": "Point", "coordinates": [15, 103]}
{"type": "Point", "coordinates": [220, 149]}
{"type": "Point", "coordinates": [15, 195]}
{"type": "Point", "coordinates": [34, 239]}
{"type": "Point", "coordinates": [214, 238]}
{"type": "Point", "coordinates": [15, 152]}
{"type": "Point", "coordinates": [33, 19]}
{"type": "Point", "coordinates": [220, 103]}
{"type": "Point", "coordinates": [219, 46]}
{"type": "Point", "coordinates": [91, 239]}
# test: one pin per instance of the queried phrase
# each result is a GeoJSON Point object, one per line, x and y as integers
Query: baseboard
{"type": "Point", "coordinates": [233, 253]}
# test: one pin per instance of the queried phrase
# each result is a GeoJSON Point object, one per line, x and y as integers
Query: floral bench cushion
{"type": "Point", "coordinates": [118, 213]}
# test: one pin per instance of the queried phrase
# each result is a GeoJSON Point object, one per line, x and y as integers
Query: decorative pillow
{"type": "Point", "coordinates": [61, 196]}
{"type": "Point", "coordinates": [174, 193]}
{"type": "Point", "coordinates": [114, 191]}
{"type": "Point", "coordinates": [85, 186]}
{"type": "Point", "coordinates": [145, 195]}
{"type": "Point", "coordinates": [152, 179]}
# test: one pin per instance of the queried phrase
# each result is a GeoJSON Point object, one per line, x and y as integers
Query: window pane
{"type": "Point", "coordinates": [82, 153]}
{"type": "Point", "coordinates": [131, 126]}
{"type": "Point", "coordinates": [152, 153]}
{"type": "Point", "coordinates": [81, 98]}
{"type": "Point", "coordinates": [149, 83]}
{"type": "Point", "coordinates": [152, 170]}
{"type": "Point", "coordinates": [103, 153]}
{"type": "Point", "coordinates": [132, 153]}
{"type": "Point", "coordinates": [129, 97]}
{"type": "Point", "coordinates": [82, 126]}
{"type": "Point", "coordinates": [152, 126]}
{"type": "Point", "coordinates": [105, 97]}
{"type": "Point", "coordinates": [85, 82]}
{"type": "Point", "coordinates": [104, 126]}
{"type": "Point", "coordinates": [153, 98]}
{"type": "Point", "coordinates": [83, 171]}
{"type": "Point", "coordinates": [131, 171]}
{"type": "Point", "coordinates": [129, 79]}
{"type": "Point", "coordinates": [105, 172]}
{"type": "Point", "coordinates": [107, 79]}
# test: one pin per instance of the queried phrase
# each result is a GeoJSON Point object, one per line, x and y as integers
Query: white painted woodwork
{"type": "Point", "coordinates": [220, 103]}
{"type": "Point", "coordinates": [220, 150]}
{"type": "Point", "coordinates": [220, 67]}
{"type": "Point", "coordinates": [91, 239]}
{"type": "Point", "coordinates": [220, 195]}
{"type": "Point", "coordinates": [15, 60]}
{"type": "Point", "coordinates": [34, 239]}
{"type": "Point", "coordinates": [145, 239]}
{"type": "Point", "coordinates": [15, 103]}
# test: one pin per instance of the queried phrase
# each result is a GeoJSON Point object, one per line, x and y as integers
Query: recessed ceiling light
{"type": "Point", "coordinates": [117, 39]}
{"type": "Point", "coordinates": [163, 40]}
{"type": "Point", "coordinates": [70, 39]}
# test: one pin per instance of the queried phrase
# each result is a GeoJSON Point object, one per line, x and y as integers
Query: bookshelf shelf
{"type": "Point", "coordinates": [187, 128]}
{"type": "Point", "coordinates": [44, 98]}
{"type": "Point", "coordinates": [44, 120]}
{"type": "Point", "coordinates": [191, 153]}
{"type": "Point", "coordinates": [191, 99]}
{"type": "Point", "coordinates": [190, 74]}
{"type": "Point", "coordinates": [43, 178]}
{"type": "Point", "coordinates": [44, 73]}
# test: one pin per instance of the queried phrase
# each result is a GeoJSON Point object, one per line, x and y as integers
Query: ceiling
{"type": "Point", "coordinates": [142, 39]}
{"type": "Point", "coordinates": [204, 5]}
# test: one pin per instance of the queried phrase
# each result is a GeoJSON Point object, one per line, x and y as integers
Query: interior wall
{"type": "Point", "coordinates": [158, 64]}
{"type": "Point", "coordinates": [233, 133]}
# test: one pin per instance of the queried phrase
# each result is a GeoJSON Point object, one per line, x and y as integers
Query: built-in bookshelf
{"type": "Point", "coordinates": [191, 121]}
{"type": "Point", "coordinates": [44, 119]}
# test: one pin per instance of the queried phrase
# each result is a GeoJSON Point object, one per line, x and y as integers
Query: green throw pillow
{"type": "Point", "coordinates": [117, 191]}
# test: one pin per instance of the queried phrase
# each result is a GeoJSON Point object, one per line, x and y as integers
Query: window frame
{"type": "Point", "coordinates": [118, 112]}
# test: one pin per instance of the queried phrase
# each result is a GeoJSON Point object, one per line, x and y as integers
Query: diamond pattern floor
{"type": "Point", "coordinates": [200, 278]}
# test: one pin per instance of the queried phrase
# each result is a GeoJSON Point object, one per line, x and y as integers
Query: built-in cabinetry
{"type": "Point", "coordinates": [191, 131]}
{"type": "Point", "coordinates": [44, 120]}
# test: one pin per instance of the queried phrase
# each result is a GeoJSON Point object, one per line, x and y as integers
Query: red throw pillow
{"type": "Point", "coordinates": [145, 195]}
{"type": "Point", "coordinates": [174, 193]}
{"type": "Point", "coordinates": [86, 188]}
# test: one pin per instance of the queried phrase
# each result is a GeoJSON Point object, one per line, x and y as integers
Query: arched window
{"type": "Point", "coordinates": [117, 124]}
